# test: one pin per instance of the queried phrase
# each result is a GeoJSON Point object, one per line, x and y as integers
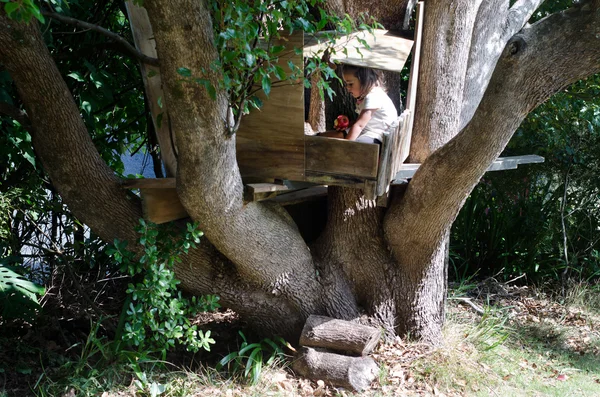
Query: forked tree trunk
{"type": "Point", "coordinates": [387, 263]}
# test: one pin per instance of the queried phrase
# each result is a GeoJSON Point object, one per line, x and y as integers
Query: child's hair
{"type": "Point", "coordinates": [368, 77]}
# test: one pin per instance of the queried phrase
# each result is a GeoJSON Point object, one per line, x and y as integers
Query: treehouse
{"type": "Point", "coordinates": [272, 146]}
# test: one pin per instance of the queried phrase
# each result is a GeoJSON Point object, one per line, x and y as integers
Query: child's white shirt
{"type": "Point", "coordinates": [384, 113]}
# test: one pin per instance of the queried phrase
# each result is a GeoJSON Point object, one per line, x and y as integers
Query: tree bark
{"type": "Point", "coordinates": [447, 31]}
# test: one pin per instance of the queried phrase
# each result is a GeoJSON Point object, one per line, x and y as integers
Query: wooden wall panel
{"type": "Point", "coordinates": [343, 157]}
{"type": "Point", "coordinates": [270, 141]}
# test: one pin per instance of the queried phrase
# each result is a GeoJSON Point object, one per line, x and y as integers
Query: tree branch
{"type": "Point", "coordinates": [519, 15]}
{"type": "Point", "coordinates": [538, 62]}
{"type": "Point", "coordinates": [447, 36]}
{"type": "Point", "coordinates": [112, 36]}
{"type": "Point", "coordinates": [495, 25]}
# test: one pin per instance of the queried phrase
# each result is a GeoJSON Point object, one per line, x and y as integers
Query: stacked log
{"type": "Point", "coordinates": [335, 351]}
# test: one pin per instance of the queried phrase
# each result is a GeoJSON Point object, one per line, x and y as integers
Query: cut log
{"type": "Point", "coordinates": [353, 373]}
{"type": "Point", "coordinates": [339, 335]}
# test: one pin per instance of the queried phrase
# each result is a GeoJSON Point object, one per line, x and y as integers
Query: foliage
{"type": "Point", "coordinates": [22, 10]}
{"type": "Point", "coordinates": [519, 221]}
{"type": "Point", "coordinates": [18, 296]}
{"type": "Point", "coordinates": [157, 315]}
{"type": "Point", "coordinates": [251, 357]}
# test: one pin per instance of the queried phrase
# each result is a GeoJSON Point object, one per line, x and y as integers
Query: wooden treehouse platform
{"type": "Point", "coordinates": [161, 203]}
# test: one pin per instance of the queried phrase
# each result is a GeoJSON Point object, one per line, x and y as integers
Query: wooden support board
{"type": "Point", "coordinates": [501, 163]}
{"type": "Point", "coordinates": [341, 157]}
{"type": "Point", "coordinates": [411, 95]}
{"type": "Point", "coordinates": [161, 205]}
{"type": "Point", "coordinates": [144, 42]}
{"type": "Point", "coordinates": [160, 202]}
{"type": "Point", "coordinates": [299, 196]}
{"type": "Point", "coordinates": [262, 191]}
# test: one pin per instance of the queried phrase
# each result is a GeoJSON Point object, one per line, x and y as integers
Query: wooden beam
{"type": "Point", "coordinates": [356, 182]}
{"type": "Point", "coordinates": [340, 156]}
{"type": "Point", "coordinates": [161, 205]}
{"type": "Point", "coordinates": [262, 191]}
{"type": "Point", "coordinates": [143, 37]}
{"type": "Point", "coordinates": [148, 183]}
{"type": "Point", "coordinates": [501, 163]}
{"type": "Point", "coordinates": [299, 196]}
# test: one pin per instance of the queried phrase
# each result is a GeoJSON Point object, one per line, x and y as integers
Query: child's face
{"type": "Point", "coordinates": [352, 84]}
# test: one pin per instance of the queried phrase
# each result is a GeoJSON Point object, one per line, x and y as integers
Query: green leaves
{"type": "Point", "coordinates": [251, 357]}
{"type": "Point", "coordinates": [156, 316]}
{"type": "Point", "coordinates": [184, 72]}
{"type": "Point", "coordinates": [18, 296]}
{"type": "Point", "coordinates": [23, 10]}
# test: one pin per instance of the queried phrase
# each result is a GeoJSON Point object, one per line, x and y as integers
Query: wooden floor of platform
{"type": "Point", "coordinates": [161, 203]}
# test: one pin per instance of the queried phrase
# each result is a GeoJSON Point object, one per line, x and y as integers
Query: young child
{"type": "Point", "coordinates": [375, 109]}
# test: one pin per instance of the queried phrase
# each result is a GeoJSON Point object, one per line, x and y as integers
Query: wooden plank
{"type": "Point", "coordinates": [389, 155]}
{"type": "Point", "coordinates": [402, 141]}
{"type": "Point", "coordinates": [356, 182]}
{"type": "Point", "coordinates": [299, 196]}
{"type": "Point", "coordinates": [405, 136]}
{"type": "Point", "coordinates": [340, 156]}
{"type": "Point", "coordinates": [387, 51]}
{"type": "Point", "coordinates": [413, 78]}
{"type": "Point", "coordinates": [162, 205]}
{"type": "Point", "coordinates": [148, 183]}
{"type": "Point", "coordinates": [384, 161]}
{"type": "Point", "coordinates": [501, 163]}
{"type": "Point", "coordinates": [144, 41]}
{"type": "Point", "coordinates": [160, 202]}
{"type": "Point", "coordinates": [262, 191]}
{"type": "Point", "coordinates": [270, 141]}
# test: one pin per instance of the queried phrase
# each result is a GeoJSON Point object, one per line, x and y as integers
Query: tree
{"type": "Point", "coordinates": [483, 70]}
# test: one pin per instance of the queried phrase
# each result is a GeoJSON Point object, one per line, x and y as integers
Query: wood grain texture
{"type": "Point", "coordinates": [339, 335]}
{"type": "Point", "coordinates": [356, 182]}
{"type": "Point", "coordinates": [407, 170]}
{"type": "Point", "coordinates": [270, 141]}
{"type": "Point", "coordinates": [340, 156]}
{"type": "Point", "coordinates": [262, 191]}
{"type": "Point", "coordinates": [162, 205]}
{"type": "Point", "coordinates": [353, 373]}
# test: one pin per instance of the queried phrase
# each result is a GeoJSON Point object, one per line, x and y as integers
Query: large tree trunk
{"type": "Point", "coordinates": [389, 264]}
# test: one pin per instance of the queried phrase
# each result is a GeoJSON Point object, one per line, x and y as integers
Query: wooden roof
{"type": "Point", "coordinates": [387, 51]}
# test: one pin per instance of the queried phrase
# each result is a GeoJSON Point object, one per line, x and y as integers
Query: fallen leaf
{"type": "Point", "coordinates": [562, 377]}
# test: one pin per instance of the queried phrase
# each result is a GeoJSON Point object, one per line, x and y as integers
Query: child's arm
{"type": "Point", "coordinates": [360, 123]}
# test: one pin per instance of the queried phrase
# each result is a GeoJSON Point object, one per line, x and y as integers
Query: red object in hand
{"type": "Point", "coordinates": [341, 123]}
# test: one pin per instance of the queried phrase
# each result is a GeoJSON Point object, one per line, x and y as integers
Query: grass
{"type": "Point", "coordinates": [526, 343]}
